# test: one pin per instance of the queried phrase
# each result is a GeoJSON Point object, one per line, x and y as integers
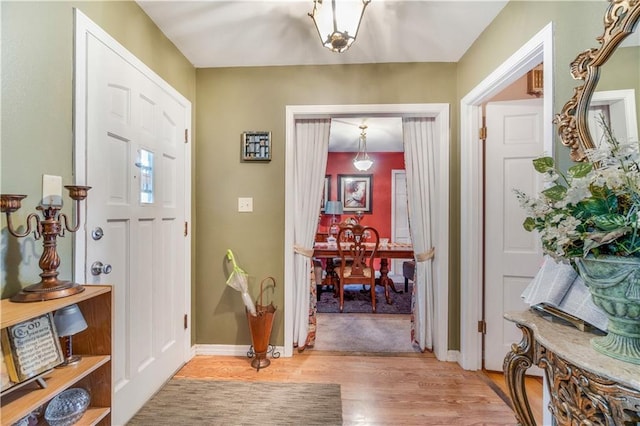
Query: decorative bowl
{"type": "Point", "coordinates": [67, 407]}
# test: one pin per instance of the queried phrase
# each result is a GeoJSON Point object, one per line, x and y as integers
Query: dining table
{"type": "Point", "coordinates": [324, 250]}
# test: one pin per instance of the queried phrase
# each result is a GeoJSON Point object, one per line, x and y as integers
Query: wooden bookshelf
{"type": "Point", "coordinates": [92, 373]}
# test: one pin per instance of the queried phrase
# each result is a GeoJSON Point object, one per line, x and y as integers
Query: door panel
{"type": "Point", "coordinates": [400, 216]}
{"type": "Point", "coordinates": [512, 255]}
{"type": "Point", "coordinates": [136, 166]}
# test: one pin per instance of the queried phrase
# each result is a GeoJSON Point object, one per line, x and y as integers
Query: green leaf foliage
{"type": "Point", "coordinates": [594, 207]}
{"type": "Point", "coordinates": [609, 222]}
{"type": "Point", "coordinates": [555, 193]}
{"type": "Point", "coordinates": [580, 170]}
{"type": "Point", "coordinates": [529, 224]}
{"type": "Point", "coordinates": [543, 164]}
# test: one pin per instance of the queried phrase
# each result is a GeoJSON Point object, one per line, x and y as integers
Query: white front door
{"type": "Point", "coordinates": [512, 255]}
{"type": "Point", "coordinates": [399, 215]}
{"type": "Point", "coordinates": [136, 160]}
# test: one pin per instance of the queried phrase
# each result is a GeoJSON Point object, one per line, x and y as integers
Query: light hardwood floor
{"type": "Point", "coordinates": [533, 387]}
{"type": "Point", "coordinates": [382, 389]}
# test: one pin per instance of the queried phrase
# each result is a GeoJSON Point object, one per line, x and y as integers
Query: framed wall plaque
{"type": "Point", "coordinates": [31, 347]}
{"type": "Point", "coordinates": [256, 146]}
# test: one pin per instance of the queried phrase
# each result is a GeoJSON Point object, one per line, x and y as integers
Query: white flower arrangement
{"type": "Point", "coordinates": [593, 208]}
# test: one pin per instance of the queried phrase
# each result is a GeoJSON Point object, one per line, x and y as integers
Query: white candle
{"type": "Point", "coordinates": [51, 190]}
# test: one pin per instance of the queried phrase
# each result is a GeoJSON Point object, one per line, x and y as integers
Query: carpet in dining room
{"type": "Point", "coordinates": [217, 402]}
{"type": "Point", "coordinates": [358, 300]}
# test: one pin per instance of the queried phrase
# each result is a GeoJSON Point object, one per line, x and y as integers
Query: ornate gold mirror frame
{"type": "Point", "coordinates": [620, 19]}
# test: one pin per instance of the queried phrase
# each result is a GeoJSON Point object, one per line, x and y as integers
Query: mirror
{"type": "Point", "coordinates": [620, 20]}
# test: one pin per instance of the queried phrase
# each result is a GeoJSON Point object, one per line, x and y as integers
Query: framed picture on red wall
{"type": "Point", "coordinates": [355, 192]}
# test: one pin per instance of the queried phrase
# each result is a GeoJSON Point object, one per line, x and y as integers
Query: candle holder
{"type": "Point", "coordinates": [48, 228]}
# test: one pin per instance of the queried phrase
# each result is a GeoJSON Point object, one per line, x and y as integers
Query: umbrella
{"type": "Point", "coordinates": [238, 280]}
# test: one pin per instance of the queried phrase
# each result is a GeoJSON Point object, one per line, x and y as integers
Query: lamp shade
{"type": "Point", "coordinates": [69, 321]}
{"type": "Point", "coordinates": [363, 165]}
{"type": "Point", "coordinates": [333, 207]}
{"type": "Point", "coordinates": [337, 22]}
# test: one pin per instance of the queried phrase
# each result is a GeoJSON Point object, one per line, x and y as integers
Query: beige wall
{"type": "Point", "coordinates": [37, 95]}
{"type": "Point", "coordinates": [232, 100]}
{"type": "Point", "coordinates": [622, 71]}
{"type": "Point", "coordinates": [37, 135]}
{"type": "Point", "coordinates": [576, 25]}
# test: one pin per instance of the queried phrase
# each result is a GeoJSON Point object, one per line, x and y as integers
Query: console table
{"type": "Point", "coordinates": [586, 387]}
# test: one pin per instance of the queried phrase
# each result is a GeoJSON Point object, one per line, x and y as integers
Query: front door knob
{"type": "Point", "coordinates": [98, 268]}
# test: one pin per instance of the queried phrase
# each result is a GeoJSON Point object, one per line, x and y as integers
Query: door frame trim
{"type": "Point", "coordinates": [537, 49]}
{"type": "Point", "coordinates": [441, 114]}
{"type": "Point", "coordinates": [394, 173]}
{"type": "Point", "coordinates": [85, 27]}
{"type": "Point", "coordinates": [626, 99]}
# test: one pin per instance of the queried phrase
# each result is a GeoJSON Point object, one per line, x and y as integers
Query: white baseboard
{"type": "Point", "coordinates": [453, 356]}
{"type": "Point", "coordinates": [229, 350]}
{"type": "Point", "coordinates": [241, 350]}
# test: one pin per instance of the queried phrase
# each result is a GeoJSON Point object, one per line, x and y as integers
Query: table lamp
{"type": "Point", "coordinates": [333, 208]}
{"type": "Point", "coordinates": [69, 321]}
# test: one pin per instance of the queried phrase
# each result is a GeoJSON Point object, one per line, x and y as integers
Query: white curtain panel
{"type": "Point", "coordinates": [310, 163]}
{"type": "Point", "coordinates": [420, 152]}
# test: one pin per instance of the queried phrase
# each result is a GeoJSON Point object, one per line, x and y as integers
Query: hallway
{"type": "Point", "coordinates": [398, 389]}
{"type": "Point", "coordinates": [367, 333]}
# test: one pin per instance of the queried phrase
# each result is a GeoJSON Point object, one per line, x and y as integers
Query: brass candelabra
{"type": "Point", "coordinates": [49, 227]}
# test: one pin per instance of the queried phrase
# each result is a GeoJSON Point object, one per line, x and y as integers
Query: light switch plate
{"type": "Point", "coordinates": [245, 204]}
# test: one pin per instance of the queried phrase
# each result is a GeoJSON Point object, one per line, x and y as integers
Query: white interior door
{"type": "Point", "coordinates": [399, 215]}
{"type": "Point", "coordinates": [136, 160]}
{"type": "Point", "coordinates": [512, 255]}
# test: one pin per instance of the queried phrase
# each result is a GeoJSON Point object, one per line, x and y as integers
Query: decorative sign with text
{"type": "Point", "coordinates": [31, 347]}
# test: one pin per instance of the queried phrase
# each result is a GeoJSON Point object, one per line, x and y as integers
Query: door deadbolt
{"type": "Point", "coordinates": [98, 268]}
{"type": "Point", "coordinates": [97, 233]}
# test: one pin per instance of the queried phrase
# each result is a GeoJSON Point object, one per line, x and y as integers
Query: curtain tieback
{"type": "Point", "coordinates": [306, 252]}
{"type": "Point", "coordinates": [427, 255]}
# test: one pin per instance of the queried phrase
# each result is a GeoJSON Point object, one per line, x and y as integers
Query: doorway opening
{"type": "Point", "coordinates": [440, 114]}
{"type": "Point", "coordinates": [357, 329]}
{"type": "Point", "coordinates": [538, 50]}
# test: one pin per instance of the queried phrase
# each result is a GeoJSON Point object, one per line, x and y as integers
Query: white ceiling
{"type": "Point", "coordinates": [216, 33]}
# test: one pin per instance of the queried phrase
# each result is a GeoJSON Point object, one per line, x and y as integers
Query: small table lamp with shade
{"type": "Point", "coordinates": [333, 208]}
{"type": "Point", "coordinates": [69, 321]}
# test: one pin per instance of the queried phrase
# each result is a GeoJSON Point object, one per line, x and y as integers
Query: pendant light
{"type": "Point", "coordinates": [362, 161]}
{"type": "Point", "coordinates": [337, 22]}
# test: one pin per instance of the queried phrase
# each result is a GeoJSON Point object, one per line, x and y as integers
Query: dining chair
{"type": "Point", "coordinates": [357, 247]}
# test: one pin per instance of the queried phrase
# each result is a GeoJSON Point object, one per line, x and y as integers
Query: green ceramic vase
{"type": "Point", "coordinates": [614, 283]}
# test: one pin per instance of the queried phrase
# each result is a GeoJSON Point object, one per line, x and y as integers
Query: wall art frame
{"type": "Point", "coordinates": [256, 146]}
{"type": "Point", "coordinates": [356, 193]}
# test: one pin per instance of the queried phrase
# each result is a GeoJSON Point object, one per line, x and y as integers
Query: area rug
{"type": "Point", "coordinates": [364, 333]}
{"type": "Point", "coordinates": [357, 300]}
{"type": "Point", "coordinates": [215, 402]}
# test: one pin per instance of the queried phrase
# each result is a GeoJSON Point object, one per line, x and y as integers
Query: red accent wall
{"type": "Point", "coordinates": [383, 163]}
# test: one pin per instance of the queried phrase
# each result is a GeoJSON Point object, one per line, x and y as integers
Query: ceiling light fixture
{"type": "Point", "coordinates": [362, 160]}
{"type": "Point", "coordinates": [337, 22]}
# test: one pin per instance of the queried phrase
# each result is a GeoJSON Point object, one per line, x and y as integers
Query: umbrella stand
{"type": "Point", "coordinates": [260, 327]}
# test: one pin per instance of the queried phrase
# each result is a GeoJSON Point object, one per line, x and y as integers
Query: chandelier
{"type": "Point", "coordinates": [362, 161]}
{"type": "Point", "coordinates": [337, 22]}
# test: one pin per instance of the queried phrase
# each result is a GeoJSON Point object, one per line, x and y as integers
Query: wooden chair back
{"type": "Point", "coordinates": [357, 247]}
